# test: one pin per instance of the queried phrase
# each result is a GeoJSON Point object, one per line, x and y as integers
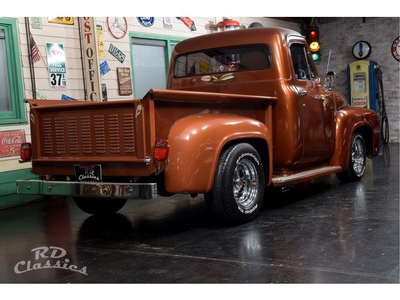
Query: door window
{"type": "Point", "coordinates": [301, 62]}
{"type": "Point", "coordinates": [150, 60]}
{"type": "Point", "coordinates": [5, 97]}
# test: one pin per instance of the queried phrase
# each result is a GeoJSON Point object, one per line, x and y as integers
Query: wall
{"type": "Point", "coordinates": [340, 35]}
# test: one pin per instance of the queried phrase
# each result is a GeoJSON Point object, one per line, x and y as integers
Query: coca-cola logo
{"type": "Point", "coordinates": [12, 140]}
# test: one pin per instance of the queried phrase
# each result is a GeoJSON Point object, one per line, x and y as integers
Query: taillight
{"type": "Point", "coordinates": [161, 150]}
{"type": "Point", "coordinates": [26, 151]}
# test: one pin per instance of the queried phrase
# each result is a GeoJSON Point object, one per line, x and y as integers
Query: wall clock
{"type": "Point", "coordinates": [362, 49]}
{"type": "Point", "coordinates": [117, 26]}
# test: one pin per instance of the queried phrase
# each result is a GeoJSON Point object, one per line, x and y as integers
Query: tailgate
{"type": "Point", "coordinates": [115, 134]}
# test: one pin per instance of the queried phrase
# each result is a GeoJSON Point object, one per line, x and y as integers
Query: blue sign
{"type": "Point", "coordinates": [104, 68]}
{"type": "Point", "coordinates": [65, 97]}
{"type": "Point", "coordinates": [146, 21]}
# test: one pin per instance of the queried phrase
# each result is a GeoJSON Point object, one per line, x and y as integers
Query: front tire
{"type": "Point", "coordinates": [99, 206]}
{"type": "Point", "coordinates": [239, 184]}
{"type": "Point", "coordinates": [357, 160]}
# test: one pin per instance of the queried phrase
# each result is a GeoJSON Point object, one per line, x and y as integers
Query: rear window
{"type": "Point", "coordinates": [223, 60]}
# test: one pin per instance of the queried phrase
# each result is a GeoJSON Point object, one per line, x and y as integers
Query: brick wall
{"type": "Point", "coordinates": [340, 35]}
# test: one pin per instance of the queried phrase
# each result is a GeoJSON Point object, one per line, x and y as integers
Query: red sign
{"type": "Point", "coordinates": [10, 142]}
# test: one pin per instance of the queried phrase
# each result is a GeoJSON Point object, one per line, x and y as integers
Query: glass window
{"type": "Point", "coordinates": [150, 60]}
{"type": "Point", "coordinates": [149, 64]}
{"type": "Point", "coordinates": [223, 60]}
{"type": "Point", "coordinates": [5, 97]}
{"type": "Point", "coordinates": [12, 110]}
{"type": "Point", "coordinates": [301, 62]}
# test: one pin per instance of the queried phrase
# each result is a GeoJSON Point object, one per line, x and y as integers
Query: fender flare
{"type": "Point", "coordinates": [348, 121]}
{"type": "Point", "coordinates": [195, 145]}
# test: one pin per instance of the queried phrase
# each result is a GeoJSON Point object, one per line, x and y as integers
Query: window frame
{"type": "Point", "coordinates": [14, 67]}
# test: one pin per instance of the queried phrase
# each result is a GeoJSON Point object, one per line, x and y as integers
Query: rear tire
{"type": "Point", "coordinates": [239, 185]}
{"type": "Point", "coordinates": [357, 160]}
{"type": "Point", "coordinates": [99, 206]}
{"type": "Point", "coordinates": [385, 130]}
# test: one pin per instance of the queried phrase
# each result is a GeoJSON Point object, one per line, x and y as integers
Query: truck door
{"type": "Point", "coordinates": [316, 107]}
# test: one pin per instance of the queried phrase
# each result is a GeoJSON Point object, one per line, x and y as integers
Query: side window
{"type": "Point", "coordinates": [12, 110]}
{"type": "Point", "coordinates": [301, 62]}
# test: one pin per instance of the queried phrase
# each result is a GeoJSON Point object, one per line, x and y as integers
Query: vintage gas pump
{"type": "Point", "coordinates": [365, 87]}
{"type": "Point", "coordinates": [363, 84]}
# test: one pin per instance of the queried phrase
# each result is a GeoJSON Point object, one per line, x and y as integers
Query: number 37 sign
{"type": "Point", "coordinates": [57, 70]}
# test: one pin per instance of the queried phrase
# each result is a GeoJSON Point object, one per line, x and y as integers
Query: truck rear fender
{"type": "Point", "coordinates": [196, 143]}
{"type": "Point", "coordinates": [350, 120]}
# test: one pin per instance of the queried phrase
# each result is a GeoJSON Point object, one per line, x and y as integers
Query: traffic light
{"type": "Point", "coordinates": [312, 36]}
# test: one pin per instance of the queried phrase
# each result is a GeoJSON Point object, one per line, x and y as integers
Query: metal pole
{"type": "Point", "coordinates": [31, 66]}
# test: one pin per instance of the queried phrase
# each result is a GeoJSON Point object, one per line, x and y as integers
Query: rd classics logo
{"type": "Point", "coordinates": [48, 258]}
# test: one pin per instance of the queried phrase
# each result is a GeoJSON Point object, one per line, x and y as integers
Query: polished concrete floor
{"type": "Point", "coordinates": [327, 232]}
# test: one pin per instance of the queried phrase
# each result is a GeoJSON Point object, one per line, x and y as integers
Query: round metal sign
{"type": "Point", "coordinates": [146, 21]}
{"type": "Point", "coordinates": [396, 48]}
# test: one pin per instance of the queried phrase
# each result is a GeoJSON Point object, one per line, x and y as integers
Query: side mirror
{"type": "Point", "coordinates": [329, 78]}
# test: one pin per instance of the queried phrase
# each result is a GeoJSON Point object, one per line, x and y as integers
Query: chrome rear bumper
{"type": "Point", "coordinates": [88, 189]}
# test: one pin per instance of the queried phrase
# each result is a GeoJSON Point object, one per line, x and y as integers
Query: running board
{"type": "Point", "coordinates": [304, 176]}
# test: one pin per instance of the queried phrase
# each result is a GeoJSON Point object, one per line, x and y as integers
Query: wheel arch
{"type": "Point", "coordinates": [350, 121]}
{"type": "Point", "coordinates": [204, 137]}
{"type": "Point", "coordinates": [367, 134]}
{"type": "Point", "coordinates": [262, 148]}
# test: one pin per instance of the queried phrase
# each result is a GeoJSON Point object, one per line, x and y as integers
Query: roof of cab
{"type": "Point", "coordinates": [234, 38]}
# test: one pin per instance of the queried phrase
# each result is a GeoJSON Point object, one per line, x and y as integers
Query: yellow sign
{"type": "Point", "coordinates": [62, 20]}
{"type": "Point", "coordinates": [204, 67]}
{"type": "Point", "coordinates": [100, 41]}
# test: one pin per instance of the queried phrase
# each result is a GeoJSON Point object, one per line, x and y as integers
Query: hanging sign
{"type": "Point", "coordinates": [56, 66]}
{"type": "Point", "coordinates": [114, 51]}
{"type": "Point", "coordinates": [100, 40]}
{"type": "Point", "coordinates": [188, 22]}
{"type": "Point", "coordinates": [91, 58]}
{"type": "Point", "coordinates": [10, 142]}
{"type": "Point", "coordinates": [124, 81]}
{"type": "Point", "coordinates": [167, 22]}
{"type": "Point", "coordinates": [396, 48]}
{"type": "Point", "coordinates": [36, 22]}
{"type": "Point", "coordinates": [104, 91]}
{"type": "Point", "coordinates": [62, 20]}
{"type": "Point", "coordinates": [104, 68]}
{"type": "Point", "coordinates": [65, 97]}
{"type": "Point", "coordinates": [146, 21]}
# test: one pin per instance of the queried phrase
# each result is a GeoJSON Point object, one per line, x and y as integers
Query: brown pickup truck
{"type": "Point", "coordinates": [242, 111]}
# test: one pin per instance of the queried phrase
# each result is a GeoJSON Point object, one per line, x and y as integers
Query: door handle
{"type": "Point", "coordinates": [302, 93]}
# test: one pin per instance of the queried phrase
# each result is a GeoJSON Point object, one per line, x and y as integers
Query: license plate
{"type": "Point", "coordinates": [88, 173]}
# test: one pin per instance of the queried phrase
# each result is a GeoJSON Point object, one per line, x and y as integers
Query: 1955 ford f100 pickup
{"type": "Point", "coordinates": [242, 111]}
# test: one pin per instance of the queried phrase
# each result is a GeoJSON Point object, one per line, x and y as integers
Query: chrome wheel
{"type": "Point", "coordinates": [358, 156]}
{"type": "Point", "coordinates": [357, 160]}
{"type": "Point", "coordinates": [245, 184]}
